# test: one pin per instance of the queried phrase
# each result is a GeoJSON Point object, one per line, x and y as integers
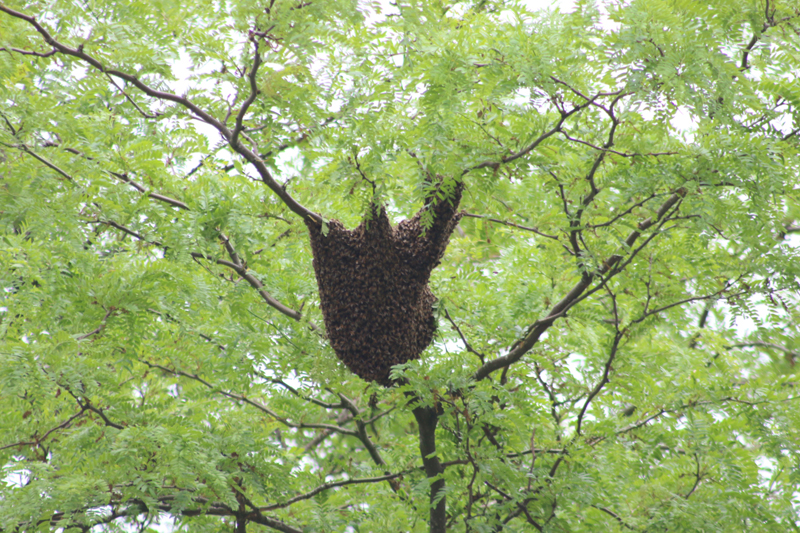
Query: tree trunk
{"type": "Point", "coordinates": [427, 420]}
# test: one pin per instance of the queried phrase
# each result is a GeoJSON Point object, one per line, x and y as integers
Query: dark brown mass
{"type": "Point", "coordinates": [373, 286]}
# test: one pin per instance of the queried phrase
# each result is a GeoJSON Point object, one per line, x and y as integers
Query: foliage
{"type": "Point", "coordinates": [617, 310]}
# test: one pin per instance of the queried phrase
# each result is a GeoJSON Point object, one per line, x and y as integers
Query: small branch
{"type": "Point", "coordinates": [622, 214]}
{"type": "Point", "coordinates": [29, 52]}
{"type": "Point", "coordinates": [98, 329]}
{"type": "Point", "coordinates": [42, 160]}
{"type": "Point", "coordinates": [362, 429]}
{"type": "Point", "coordinates": [273, 523]}
{"type": "Point", "coordinates": [236, 265]}
{"type": "Point", "coordinates": [698, 476]}
{"type": "Point", "coordinates": [525, 151]}
{"type": "Point", "coordinates": [789, 353]}
{"type": "Point", "coordinates": [521, 507]}
{"type": "Point", "coordinates": [506, 223]}
{"type": "Point", "coordinates": [86, 405]}
{"type": "Point", "coordinates": [690, 299]}
{"type": "Point", "coordinates": [94, 63]}
{"type": "Point", "coordinates": [131, 232]}
{"type": "Point", "coordinates": [297, 393]}
{"type": "Point", "coordinates": [131, 100]}
{"type": "Point", "coordinates": [611, 267]}
{"type": "Point", "coordinates": [614, 515]}
{"type": "Point", "coordinates": [38, 440]}
{"type": "Point", "coordinates": [609, 150]}
{"type": "Point", "coordinates": [237, 130]}
{"type": "Point", "coordinates": [328, 486]}
{"type": "Point", "coordinates": [250, 156]}
{"type": "Point", "coordinates": [241, 398]}
{"type": "Point", "coordinates": [342, 419]}
{"type": "Point", "coordinates": [790, 134]}
{"type": "Point", "coordinates": [160, 197]}
{"type": "Point", "coordinates": [254, 282]}
{"type": "Point", "coordinates": [606, 371]}
{"type": "Point", "coordinates": [463, 338]}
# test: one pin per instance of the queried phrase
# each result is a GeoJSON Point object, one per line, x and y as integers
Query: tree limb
{"type": "Point", "coordinates": [184, 102]}
{"type": "Point", "coordinates": [575, 295]}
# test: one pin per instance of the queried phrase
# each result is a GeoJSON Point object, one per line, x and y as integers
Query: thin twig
{"type": "Point", "coordinates": [512, 224]}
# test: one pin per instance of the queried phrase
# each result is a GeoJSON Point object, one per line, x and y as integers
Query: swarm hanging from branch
{"type": "Point", "coordinates": [373, 285]}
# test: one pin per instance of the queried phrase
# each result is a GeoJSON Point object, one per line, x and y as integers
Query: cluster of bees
{"type": "Point", "coordinates": [373, 286]}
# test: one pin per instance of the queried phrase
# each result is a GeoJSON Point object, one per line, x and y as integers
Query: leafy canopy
{"type": "Point", "coordinates": [617, 309]}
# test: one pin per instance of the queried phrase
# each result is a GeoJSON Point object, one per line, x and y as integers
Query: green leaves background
{"type": "Point", "coordinates": [142, 378]}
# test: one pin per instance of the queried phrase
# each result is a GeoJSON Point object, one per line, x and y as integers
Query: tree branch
{"type": "Point", "coordinates": [38, 440]}
{"type": "Point", "coordinates": [606, 371]}
{"type": "Point", "coordinates": [575, 295]}
{"type": "Point", "coordinates": [327, 486]}
{"type": "Point", "coordinates": [160, 197]}
{"type": "Point", "coordinates": [183, 101]}
{"type": "Point", "coordinates": [258, 405]}
{"type": "Point", "coordinates": [427, 419]}
{"type": "Point", "coordinates": [506, 223]}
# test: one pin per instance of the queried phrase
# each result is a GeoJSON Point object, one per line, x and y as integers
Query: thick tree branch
{"type": "Point", "coordinates": [427, 419]}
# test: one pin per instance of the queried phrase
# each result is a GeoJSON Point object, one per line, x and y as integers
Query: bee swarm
{"type": "Point", "coordinates": [373, 286]}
